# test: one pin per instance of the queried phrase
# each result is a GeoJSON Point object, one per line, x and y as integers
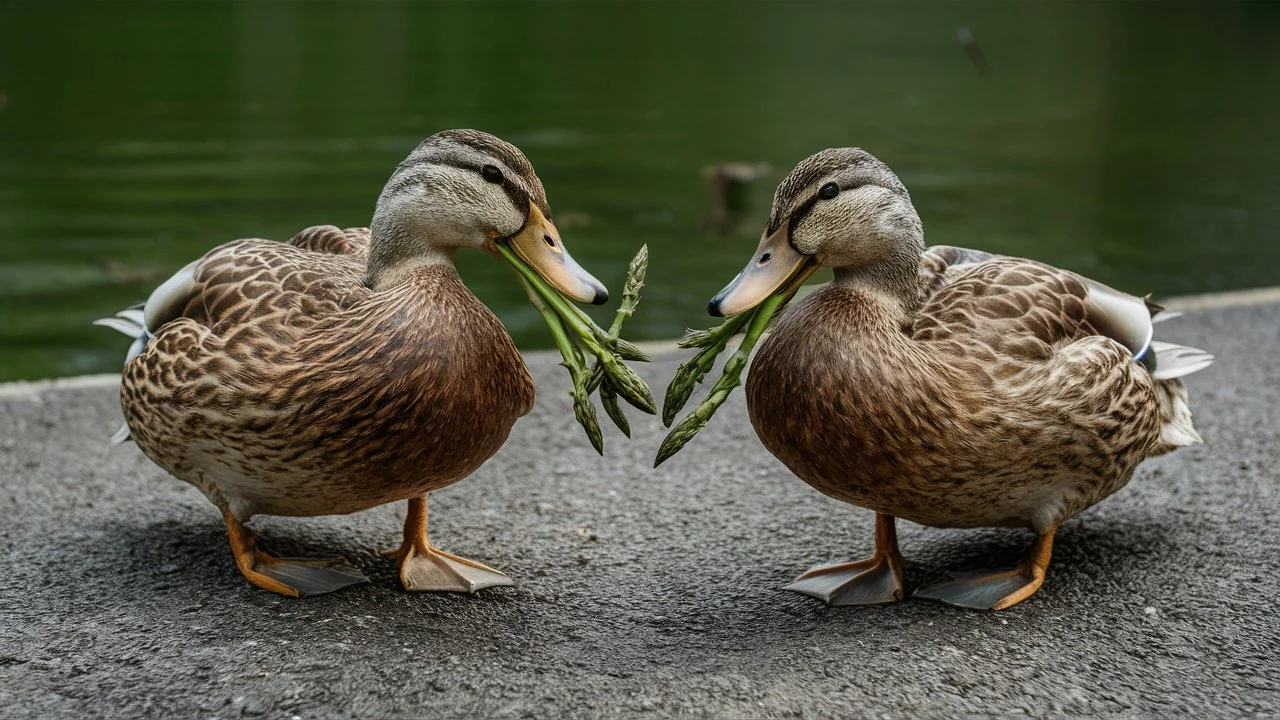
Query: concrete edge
{"type": "Point", "coordinates": [1222, 300]}
{"type": "Point", "coordinates": [32, 389]}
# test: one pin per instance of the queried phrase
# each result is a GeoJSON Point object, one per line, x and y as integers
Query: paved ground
{"type": "Point", "coordinates": [640, 592]}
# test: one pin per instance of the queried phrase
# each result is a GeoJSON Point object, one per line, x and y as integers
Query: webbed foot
{"type": "Point", "coordinates": [431, 570]}
{"type": "Point", "coordinates": [868, 582]}
{"type": "Point", "coordinates": [423, 568]}
{"type": "Point", "coordinates": [874, 581]}
{"type": "Point", "coordinates": [288, 576]}
{"type": "Point", "coordinates": [995, 589]}
{"type": "Point", "coordinates": [302, 578]}
{"type": "Point", "coordinates": [989, 590]}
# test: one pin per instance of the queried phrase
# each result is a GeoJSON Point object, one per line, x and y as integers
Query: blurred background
{"type": "Point", "coordinates": [1133, 142]}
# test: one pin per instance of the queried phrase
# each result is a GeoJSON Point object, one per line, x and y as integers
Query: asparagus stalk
{"type": "Point", "coordinates": [713, 342]}
{"type": "Point", "coordinates": [575, 363]}
{"type": "Point", "coordinates": [590, 338]}
{"type": "Point", "coordinates": [609, 401]}
{"type": "Point", "coordinates": [630, 291]}
{"type": "Point", "coordinates": [626, 308]}
{"type": "Point", "coordinates": [577, 335]}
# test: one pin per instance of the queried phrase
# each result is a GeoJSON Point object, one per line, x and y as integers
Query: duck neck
{"type": "Point", "coordinates": [893, 282]}
{"type": "Point", "coordinates": [396, 250]}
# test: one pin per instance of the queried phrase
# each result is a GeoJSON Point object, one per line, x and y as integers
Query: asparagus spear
{"type": "Point", "coordinates": [588, 336]}
{"type": "Point", "coordinates": [712, 342]}
{"type": "Point", "coordinates": [626, 308]}
{"type": "Point", "coordinates": [609, 400]}
{"type": "Point", "coordinates": [689, 374]}
{"type": "Point", "coordinates": [576, 335]}
{"type": "Point", "coordinates": [575, 363]}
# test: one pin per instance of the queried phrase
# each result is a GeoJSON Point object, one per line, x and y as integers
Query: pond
{"type": "Point", "coordinates": [1132, 142]}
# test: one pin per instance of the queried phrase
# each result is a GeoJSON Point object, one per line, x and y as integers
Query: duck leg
{"type": "Point", "coordinates": [999, 589]}
{"type": "Point", "coordinates": [287, 576]}
{"type": "Point", "coordinates": [426, 569]}
{"type": "Point", "coordinates": [873, 581]}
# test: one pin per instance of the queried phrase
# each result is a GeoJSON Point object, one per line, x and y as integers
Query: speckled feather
{"type": "Point", "coordinates": [287, 387]}
{"type": "Point", "coordinates": [997, 404]}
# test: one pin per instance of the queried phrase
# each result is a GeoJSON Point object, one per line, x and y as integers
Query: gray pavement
{"type": "Point", "coordinates": [640, 592]}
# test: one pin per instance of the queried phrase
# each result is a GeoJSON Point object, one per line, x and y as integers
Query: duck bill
{"type": "Point", "coordinates": [775, 266]}
{"type": "Point", "coordinates": [538, 244]}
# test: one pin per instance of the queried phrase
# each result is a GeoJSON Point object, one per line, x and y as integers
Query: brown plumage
{"type": "Point", "coordinates": [951, 387]}
{"type": "Point", "coordinates": [344, 369]}
{"type": "Point", "coordinates": [285, 378]}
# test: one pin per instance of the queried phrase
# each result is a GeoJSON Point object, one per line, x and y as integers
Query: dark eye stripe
{"type": "Point", "coordinates": [801, 212]}
{"type": "Point", "coordinates": [519, 197]}
{"type": "Point", "coordinates": [807, 207]}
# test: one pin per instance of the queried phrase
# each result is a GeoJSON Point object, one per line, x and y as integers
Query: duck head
{"type": "Point", "coordinates": [466, 188]}
{"type": "Point", "coordinates": [840, 208]}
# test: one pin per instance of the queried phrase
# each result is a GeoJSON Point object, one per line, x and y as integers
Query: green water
{"type": "Point", "coordinates": [1136, 143]}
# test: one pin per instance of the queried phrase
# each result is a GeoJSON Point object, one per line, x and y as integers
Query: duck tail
{"type": "Point", "coordinates": [1173, 361]}
{"type": "Point", "coordinates": [1170, 363]}
{"type": "Point", "coordinates": [129, 322]}
{"type": "Point", "coordinates": [122, 435]}
{"type": "Point", "coordinates": [165, 303]}
{"type": "Point", "coordinates": [1176, 429]}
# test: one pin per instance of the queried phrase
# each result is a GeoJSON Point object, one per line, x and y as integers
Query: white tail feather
{"type": "Point", "coordinates": [129, 322]}
{"type": "Point", "coordinates": [134, 314]}
{"type": "Point", "coordinates": [122, 436]}
{"type": "Point", "coordinates": [1166, 315]}
{"type": "Point", "coordinates": [1120, 316]}
{"type": "Point", "coordinates": [1174, 361]}
{"type": "Point", "coordinates": [122, 324]}
{"type": "Point", "coordinates": [136, 348]}
{"type": "Point", "coordinates": [164, 304]}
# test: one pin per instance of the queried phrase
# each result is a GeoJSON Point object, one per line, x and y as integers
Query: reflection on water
{"type": "Point", "coordinates": [1132, 142]}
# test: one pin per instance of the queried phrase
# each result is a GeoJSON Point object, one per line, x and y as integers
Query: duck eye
{"type": "Point", "coordinates": [828, 191]}
{"type": "Point", "coordinates": [491, 174]}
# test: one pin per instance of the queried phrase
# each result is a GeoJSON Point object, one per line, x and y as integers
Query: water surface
{"type": "Point", "coordinates": [1132, 142]}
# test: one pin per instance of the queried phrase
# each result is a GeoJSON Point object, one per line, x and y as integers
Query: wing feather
{"type": "Point", "coordinates": [1013, 307]}
{"type": "Point", "coordinates": [256, 290]}
{"type": "Point", "coordinates": [272, 287]}
{"type": "Point", "coordinates": [1018, 299]}
{"type": "Point", "coordinates": [329, 239]}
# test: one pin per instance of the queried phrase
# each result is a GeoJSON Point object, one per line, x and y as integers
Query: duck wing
{"type": "Point", "coordinates": [329, 239]}
{"type": "Point", "coordinates": [1009, 299]}
{"type": "Point", "coordinates": [1002, 311]}
{"type": "Point", "coordinates": [263, 286]}
{"type": "Point", "coordinates": [998, 305]}
{"type": "Point", "coordinates": [243, 298]}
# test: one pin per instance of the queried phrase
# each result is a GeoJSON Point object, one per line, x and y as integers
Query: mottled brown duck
{"type": "Point", "coordinates": [953, 388]}
{"type": "Point", "coordinates": [348, 368]}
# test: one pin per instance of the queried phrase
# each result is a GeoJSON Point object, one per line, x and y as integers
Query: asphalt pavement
{"type": "Point", "coordinates": [640, 592]}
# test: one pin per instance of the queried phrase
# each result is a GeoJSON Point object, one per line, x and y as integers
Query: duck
{"type": "Point", "coordinates": [950, 387]}
{"type": "Point", "coordinates": [348, 368]}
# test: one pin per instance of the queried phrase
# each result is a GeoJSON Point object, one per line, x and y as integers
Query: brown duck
{"type": "Point", "coordinates": [348, 368]}
{"type": "Point", "coordinates": [949, 387]}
